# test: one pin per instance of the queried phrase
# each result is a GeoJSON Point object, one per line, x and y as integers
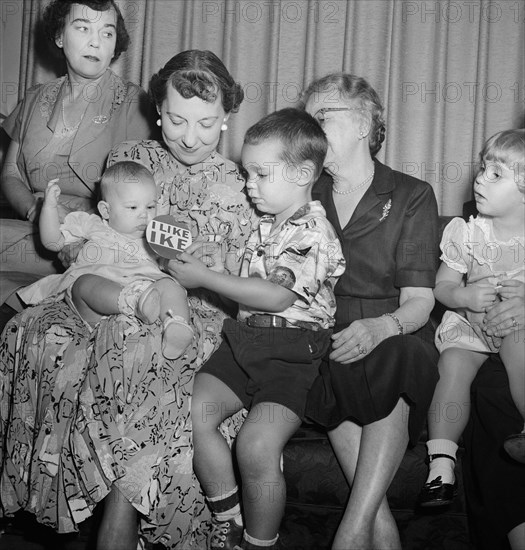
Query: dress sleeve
{"type": "Point", "coordinates": [77, 226]}
{"type": "Point", "coordinates": [13, 123]}
{"type": "Point", "coordinates": [416, 254]}
{"type": "Point", "coordinates": [455, 252]}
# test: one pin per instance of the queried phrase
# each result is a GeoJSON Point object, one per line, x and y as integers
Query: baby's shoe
{"type": "Point", "coordinates": [140, 299]}
{"type": "Point", "coordinates": [515, 446]}
{"type": "Point", "coordinates": [176, 337]}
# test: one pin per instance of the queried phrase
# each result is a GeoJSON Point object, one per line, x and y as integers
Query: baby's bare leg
{"type": "Point", "coordinates": [175, 315]}
{"type": "Point", "coordinates": [95, 296]}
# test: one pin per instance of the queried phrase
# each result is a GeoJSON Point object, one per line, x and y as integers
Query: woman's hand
{"type": "Point", "coordinates": [69, 253]}
{"type": "Point", "coordinates": [511, 288]}
{"type": "Point", "coordinates": [508, 315]}
{"type": "Point", "coordinates": [359, 339]}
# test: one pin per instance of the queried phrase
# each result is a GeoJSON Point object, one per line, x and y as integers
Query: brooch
{"type": "Point", "coordinates": [386, 210]}
{"type": "Point", "coordinates": [100, 119]}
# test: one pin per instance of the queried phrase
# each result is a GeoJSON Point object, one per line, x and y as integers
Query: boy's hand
{"type": "Point", "coordinates": [51, 194]}
{"type": "Point", "coordinates": [210, 253]}
{"type": "Point", "coordinates": [188, 270]}
{"type": "Point", "coordinates": [480, 297]}
{"type": "Point", "coordinates": [511, 288]}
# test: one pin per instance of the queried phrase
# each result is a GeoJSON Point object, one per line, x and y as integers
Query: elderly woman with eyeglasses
{"type": "Point", "coordinates": [375, 386]}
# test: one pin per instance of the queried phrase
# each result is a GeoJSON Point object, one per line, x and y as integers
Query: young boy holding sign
{"type": "Point", "coordinates": [115, 271]}
{"type": "Point", "coordinates": [270, 356]}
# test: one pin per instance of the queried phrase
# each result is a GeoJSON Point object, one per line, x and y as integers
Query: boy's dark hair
{"type": "Point", "coordinates": [301, 136]}
{"type": "Point", "coordinates": [125, 171]}
{"type": "Point", "coordinates": [55, 14]}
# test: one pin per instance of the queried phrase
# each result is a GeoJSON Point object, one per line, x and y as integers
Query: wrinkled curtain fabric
{"type": "Point", "coordinates": [450, 72]}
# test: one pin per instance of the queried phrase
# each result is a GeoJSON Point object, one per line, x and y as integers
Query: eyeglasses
{"type": "Point", "coordinates": [320, 114]}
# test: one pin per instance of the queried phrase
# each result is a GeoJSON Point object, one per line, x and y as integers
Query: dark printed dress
{"type": "Point", "coordinates": [390, 242]}
{"type": "Point", "coordinates": [81, 411]}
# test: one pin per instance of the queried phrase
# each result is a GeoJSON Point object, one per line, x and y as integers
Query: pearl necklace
{"type": "Point", "coordinates": [362, 184]}
{"type": "Point", "coordinates": [69, 130]}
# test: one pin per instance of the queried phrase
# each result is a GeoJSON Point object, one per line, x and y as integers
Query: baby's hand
{"type": "Point", "coordinates": [51, 194]}
{"type": "Point", "coordinates": [480, 297]}
{"type": "Point", "coordinates": [511, 288]}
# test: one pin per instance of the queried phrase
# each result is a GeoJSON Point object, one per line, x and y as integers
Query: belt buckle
{"type": "Point", "coordinates": [261, 320]}
{"type": "Point", "coordinates": [276, 321]}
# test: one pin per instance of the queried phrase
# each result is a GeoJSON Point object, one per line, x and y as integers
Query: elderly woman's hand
{"type": "Point", "coordinates": [358, 339]}
{"type": "Point", "coordinates": [511, 288]}
{"type": "Point", "coordinates": [508, 315]}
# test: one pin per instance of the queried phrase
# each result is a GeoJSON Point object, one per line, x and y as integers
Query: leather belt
{"type": "Point", "coordinates": [265, 320]}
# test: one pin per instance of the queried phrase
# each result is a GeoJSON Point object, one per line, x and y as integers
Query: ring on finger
{"type": "Point", "coordinates": [514, 322]}
{"type": "Point", "coordinates": [361, 349]}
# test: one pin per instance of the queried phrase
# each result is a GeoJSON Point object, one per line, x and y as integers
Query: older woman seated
{"type": "Point", "coordinates": [375, 387]}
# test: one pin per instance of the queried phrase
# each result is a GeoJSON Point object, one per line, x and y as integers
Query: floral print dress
{"type": "Point", "coordinates": [83, 410]}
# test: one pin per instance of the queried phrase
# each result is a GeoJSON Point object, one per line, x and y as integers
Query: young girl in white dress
{"type": "Point", "coordinates": [488, 254]}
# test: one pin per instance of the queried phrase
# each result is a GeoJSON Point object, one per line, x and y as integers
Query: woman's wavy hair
{"type": "Point", "coordinates": [507, 148]}
{"type": "Point", "coordinates": [355, 88]}
{"type": "Point", "coordinates": [197, 73]}
{"type": "Point", "coordinates": [55, 14]}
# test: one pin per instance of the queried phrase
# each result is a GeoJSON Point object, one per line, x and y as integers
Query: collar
{"type": "Point", "coordinates": [302, 216]}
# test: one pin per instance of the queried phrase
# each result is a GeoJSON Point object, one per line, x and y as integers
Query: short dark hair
{"type": "Point", "coordinates": [197, 73]}
{"type": "Point", "coordinates": [301, 136]}
{"type": "Point", "coordinates": [352, 87]}
{"type": "Point", "coordinates": [125, 171]}
{"type": "Point", "coordinates": [54, 20]}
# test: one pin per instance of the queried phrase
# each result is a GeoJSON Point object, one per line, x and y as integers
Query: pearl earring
{"type": "Point", "coordinates": [60, 43]}
{"type": "Point", "coordinates": [159, 123]}
{"type": "Point", "coordinates": [224, 127]}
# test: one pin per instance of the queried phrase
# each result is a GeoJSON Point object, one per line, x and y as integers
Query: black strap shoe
{"type": "Point", "coordinates": [437, 493]}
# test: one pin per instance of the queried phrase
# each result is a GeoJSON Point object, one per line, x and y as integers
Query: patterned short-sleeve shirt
{"type": "Point", "coordinates": [302, 254]}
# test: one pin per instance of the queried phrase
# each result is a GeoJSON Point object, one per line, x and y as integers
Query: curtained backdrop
{"type": "Point", "coordinates": [450, 72]}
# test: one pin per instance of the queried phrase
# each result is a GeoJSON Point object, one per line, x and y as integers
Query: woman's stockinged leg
{"type": "Point", "coordinates": [367, 521]}
{"type": "Point", "coordinates": [118, 528]}
{"type": "Point", "coordinates": [511, 352]}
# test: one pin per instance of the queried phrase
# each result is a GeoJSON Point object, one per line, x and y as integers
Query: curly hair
{"type": "Point", "coordinates": [353, 87]}
{"type": "Point", "coordinates": [55, 14]}
{"type": "Point", "coordinates": [197, 73]}
{"type": "Point", "coordinates": [508, 148]}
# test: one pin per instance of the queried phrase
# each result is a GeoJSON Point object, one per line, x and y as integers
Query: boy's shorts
{"type": "Point", "coordinates": [275, 365]}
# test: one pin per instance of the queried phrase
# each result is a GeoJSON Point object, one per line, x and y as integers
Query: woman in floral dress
{"type": "Point", "coordinates": [102, 415]}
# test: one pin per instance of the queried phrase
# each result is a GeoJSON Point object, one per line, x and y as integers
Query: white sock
{"type": "Point", "coordinates": [442, 466]}
{"type": "Point", "coordinates": [259, 542]}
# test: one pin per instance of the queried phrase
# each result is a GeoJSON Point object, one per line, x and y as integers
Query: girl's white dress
{"type": "Point", "coordinates": [473, 249]}
{"type": "Point", "coordinates": [106, 253]}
